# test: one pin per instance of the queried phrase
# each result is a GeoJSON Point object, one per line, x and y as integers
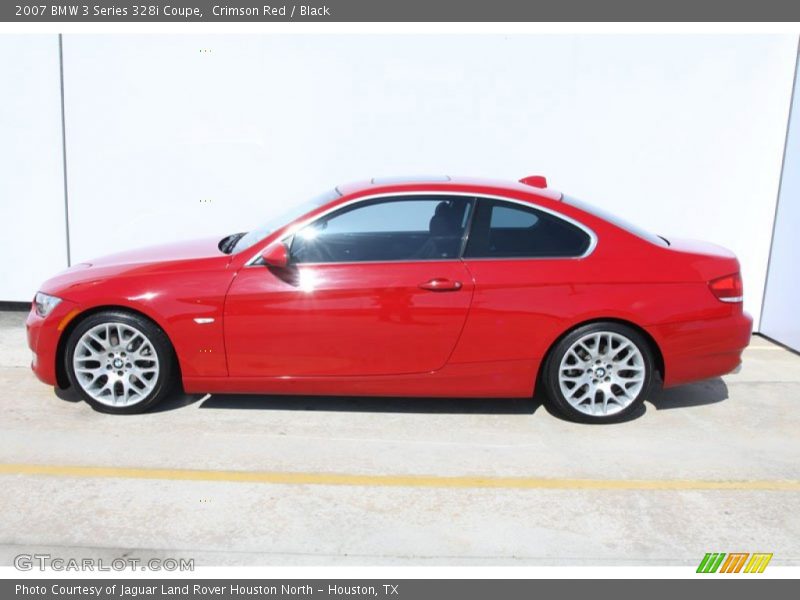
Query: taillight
{"type": "Point", "coordinates": [728, 288]}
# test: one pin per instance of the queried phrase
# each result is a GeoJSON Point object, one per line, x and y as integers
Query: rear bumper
{"type": "Point", "coordinates": [43, 334]}
{"type": "Point", "coordinates": [702, 349]}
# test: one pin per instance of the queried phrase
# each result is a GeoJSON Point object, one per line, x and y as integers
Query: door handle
{"type": "Point", "coordinates": [441, 285]}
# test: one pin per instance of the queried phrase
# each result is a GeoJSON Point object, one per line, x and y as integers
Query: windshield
{"type": "Point", "coordinates": [615, 220]}
{"type": "Point", "coordinates": [259, 233]}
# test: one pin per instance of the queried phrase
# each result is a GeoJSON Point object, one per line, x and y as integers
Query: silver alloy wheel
{"type": "Point", "coordinates": [601, 373]}
{"type": "Point", "coordinates": [115, 364]}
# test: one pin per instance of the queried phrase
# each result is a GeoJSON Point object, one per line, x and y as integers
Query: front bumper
{"type": "Point", "coordinates": [43, 335]}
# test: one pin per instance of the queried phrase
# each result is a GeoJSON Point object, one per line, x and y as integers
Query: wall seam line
{"type": "Point", "coordinates": [64, 146]}
{"type": "Point", "coordinates": [780, 186]}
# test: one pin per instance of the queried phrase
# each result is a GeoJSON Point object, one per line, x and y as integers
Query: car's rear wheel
{"type": "Point", "coordinates": [119, 362]}
{"type": "Point", "coordinates": [600, 372]}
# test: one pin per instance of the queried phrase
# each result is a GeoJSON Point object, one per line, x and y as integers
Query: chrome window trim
{"type": "Point", "coordinates": [588, 231]}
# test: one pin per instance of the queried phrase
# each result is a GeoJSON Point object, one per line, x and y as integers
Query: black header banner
{"type": "Point", "coordinates": [107, 11]}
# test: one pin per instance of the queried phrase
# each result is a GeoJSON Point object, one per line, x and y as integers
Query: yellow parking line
{"type": "Point", "coordinates": [426, 481]}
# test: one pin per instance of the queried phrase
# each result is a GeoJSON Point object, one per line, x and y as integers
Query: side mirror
{"type": "Point", "coordinates": [275, 255]}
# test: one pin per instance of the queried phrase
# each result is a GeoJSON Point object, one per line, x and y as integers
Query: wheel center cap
{"type": "Point", "coordinates": [118, 363]}
{"type": "Point", "coordinates": [600, 372]}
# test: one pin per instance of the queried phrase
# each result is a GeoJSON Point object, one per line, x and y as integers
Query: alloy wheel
{"type": "Point", "coordinates": [602, 373]}
{"type": "Point", "coordinates": [116, 364]}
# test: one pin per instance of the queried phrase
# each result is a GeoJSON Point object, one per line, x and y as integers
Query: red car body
{"type": "Point", "coordinates": [370, 328]}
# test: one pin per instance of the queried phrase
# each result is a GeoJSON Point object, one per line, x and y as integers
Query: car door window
{"type": "Point", "coordinates": [503, 229]}
{"type": "Point", "coordinates": [388, 229]}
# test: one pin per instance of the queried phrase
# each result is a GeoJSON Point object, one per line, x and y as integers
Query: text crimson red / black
{"type": "Point", "coordinates": [282, 10]}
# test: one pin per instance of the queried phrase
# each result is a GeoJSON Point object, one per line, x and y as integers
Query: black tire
{"type": "Point", "coordinates": [162, 383]}
{"type": "Point", "coordinates": [553, 388]}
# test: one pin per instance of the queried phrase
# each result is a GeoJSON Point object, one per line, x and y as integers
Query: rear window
{"type": "Point", "coordinates": [615, 220]}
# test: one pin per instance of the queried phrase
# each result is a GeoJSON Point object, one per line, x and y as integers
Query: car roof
{"type": "Point", "coordinates": [444, 183]}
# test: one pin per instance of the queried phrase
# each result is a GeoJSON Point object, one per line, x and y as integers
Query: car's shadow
{"type": "Point", "coordinates": [701, 393]}
{"type": "Point", "coordinates": [500, 406]}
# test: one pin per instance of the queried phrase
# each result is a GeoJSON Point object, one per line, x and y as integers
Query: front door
{"type": "Point", "coordinates": [374, 288]}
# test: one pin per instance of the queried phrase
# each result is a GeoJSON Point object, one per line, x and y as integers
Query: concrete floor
{"type": "Point", "coordinates": [743, 428]}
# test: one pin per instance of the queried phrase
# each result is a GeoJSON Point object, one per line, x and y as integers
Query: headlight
{"type": "Point", "coordinates": [45, 303]}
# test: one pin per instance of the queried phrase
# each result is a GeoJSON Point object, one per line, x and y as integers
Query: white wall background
{"type": "Point", "coordinates": [174, 137]}
{"type": "Point", "coordinates": [781, 316]}
{"type": "Point", "coordinates": [32, 230]}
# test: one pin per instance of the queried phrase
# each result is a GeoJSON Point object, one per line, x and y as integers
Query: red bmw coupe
{"type": "Point", "coordinates": [401, 287]}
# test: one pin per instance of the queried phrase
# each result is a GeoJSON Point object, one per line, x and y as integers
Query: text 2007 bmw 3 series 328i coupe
{"type": "Point", "coordinates": [401, 287]}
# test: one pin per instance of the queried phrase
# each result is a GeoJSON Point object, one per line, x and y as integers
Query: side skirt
{"type": "Point", "coordinates": [507, 379]}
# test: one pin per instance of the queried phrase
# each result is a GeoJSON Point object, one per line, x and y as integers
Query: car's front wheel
{"type": "Point", "coordinates": [119, 362]}
{"type": "Point", "coordinates": [600, 372]}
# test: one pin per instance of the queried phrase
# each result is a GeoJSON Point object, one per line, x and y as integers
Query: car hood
{"type": "Point", "coordinates": [192, 249]}
{"type": "Point", "coordinates": [152, 259]}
